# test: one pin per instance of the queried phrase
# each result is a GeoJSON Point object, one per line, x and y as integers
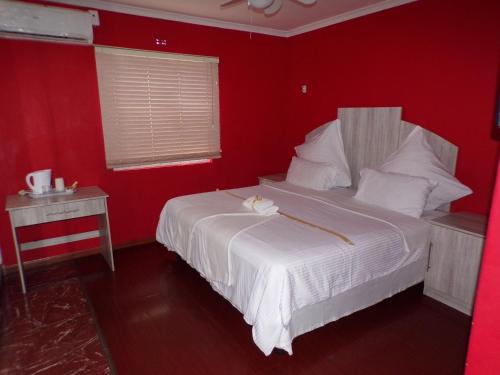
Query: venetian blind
{"type": "Point", "coordinates": [157, 107]}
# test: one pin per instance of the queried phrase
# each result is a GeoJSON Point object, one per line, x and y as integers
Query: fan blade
{"type": "Point", "coordinates": [230, 2]}
{"type": "Point", "coordinates": [306, 2]}
{"type": "Point", "coordinates": [273, 8]}
{"type": "Point", "coordinates": [260, 4]}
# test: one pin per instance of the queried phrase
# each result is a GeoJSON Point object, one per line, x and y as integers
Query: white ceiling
{"type": "Point", "coordinates": [292, 19]}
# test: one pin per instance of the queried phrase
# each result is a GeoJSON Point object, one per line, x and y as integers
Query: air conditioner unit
{"type": "Point", "coordinates": [31, 21]}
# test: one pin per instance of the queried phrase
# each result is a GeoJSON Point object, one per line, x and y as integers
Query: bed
{"type": "Point", "coordinates": [325, 257]}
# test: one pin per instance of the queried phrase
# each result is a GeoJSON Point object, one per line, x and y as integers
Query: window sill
{"type": "Point", "coordinates": [162, 165]}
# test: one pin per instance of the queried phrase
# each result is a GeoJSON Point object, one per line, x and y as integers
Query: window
{"type": "Point", "coordinates": [157, 107]}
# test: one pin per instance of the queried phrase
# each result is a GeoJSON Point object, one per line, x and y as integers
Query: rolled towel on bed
{"type": "Point", "coordinates": [260, 205]}
{"type": "Point", "coordinates": [256, 202]}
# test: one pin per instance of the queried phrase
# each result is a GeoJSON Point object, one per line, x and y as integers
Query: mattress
{"type": "Point", "coordinates": [277, 266]}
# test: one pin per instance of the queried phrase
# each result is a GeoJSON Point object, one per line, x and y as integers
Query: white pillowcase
{"type": "Point", "coordinates": [317, 176]}
{"type": "Point", "coordinates": [325, 145]}
{"type": "Point", "coordinates": [393, 191]}
{"type": "Point", "coordinates": [315, 133]}
{"type": "Point", "coordinates": [415, 157]}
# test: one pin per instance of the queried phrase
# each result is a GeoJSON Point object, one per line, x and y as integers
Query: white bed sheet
{"type": "Point", "coordinates": [283, 266]}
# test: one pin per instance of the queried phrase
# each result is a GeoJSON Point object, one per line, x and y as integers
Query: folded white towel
{"type": "Point", "coordinates": [256, 202]}
{"type": "Point", "coordinates": [269, 211]}
{"type": "Point", "coordinates": [260, 205]}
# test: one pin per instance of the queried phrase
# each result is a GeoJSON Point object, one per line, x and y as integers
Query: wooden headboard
{"type": "Point", "coordinates": [370, 135]}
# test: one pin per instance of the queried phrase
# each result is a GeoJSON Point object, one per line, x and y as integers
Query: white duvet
{"type": "Point", "coordinates": [270, 266]}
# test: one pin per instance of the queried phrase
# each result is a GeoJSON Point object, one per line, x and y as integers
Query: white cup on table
{"type": "Point", "coordinates": [59, 182]}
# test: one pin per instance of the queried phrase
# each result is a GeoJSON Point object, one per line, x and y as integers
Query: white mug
{"type": "Point", "coordinates": [41, 181]}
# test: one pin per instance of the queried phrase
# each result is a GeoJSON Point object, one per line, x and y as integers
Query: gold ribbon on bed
{"type": "Point", "coordinates": [332, 232]}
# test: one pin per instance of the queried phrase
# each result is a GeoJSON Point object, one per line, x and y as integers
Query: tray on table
{"type": "Point", "coordinates": [51, 193]}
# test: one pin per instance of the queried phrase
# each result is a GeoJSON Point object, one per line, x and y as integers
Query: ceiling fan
{"type": "Point", "coordinates": [268, 6]}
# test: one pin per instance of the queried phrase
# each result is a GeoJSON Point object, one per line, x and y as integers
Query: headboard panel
{"type": "Point", "coordinates": [370, 135]}
{"type": "Point", "coordinates": [446, 151]}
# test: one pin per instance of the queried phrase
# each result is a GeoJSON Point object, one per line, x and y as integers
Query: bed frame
{"type": "Point", "coordinates": [370, 135]}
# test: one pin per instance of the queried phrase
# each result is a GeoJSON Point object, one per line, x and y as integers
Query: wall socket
{"type": "Point", "coordinates": [160, 42]}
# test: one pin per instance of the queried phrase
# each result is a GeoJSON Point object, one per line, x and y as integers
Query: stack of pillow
{"type": "Point", "coordinates": [320, 163]}
{"type": "Point", "coordinates": [409, 181]}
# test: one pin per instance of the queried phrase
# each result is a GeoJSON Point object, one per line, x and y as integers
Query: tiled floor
{"type": "Point", "coordinates": [51, 329]}
{"type": "Point", "coordinates": [156, 315]}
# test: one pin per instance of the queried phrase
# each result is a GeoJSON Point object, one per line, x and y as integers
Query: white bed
{"type": "Point", "coordinates": [289, 277]}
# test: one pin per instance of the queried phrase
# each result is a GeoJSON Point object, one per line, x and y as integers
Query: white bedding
{"type": "Point", "coordinates": [269, 267]}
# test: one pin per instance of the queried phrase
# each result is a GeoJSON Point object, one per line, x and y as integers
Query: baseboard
{"type": "Point", "coordinates": [11, 268]}
{"type": "Point", "coordinates": [448, 300]}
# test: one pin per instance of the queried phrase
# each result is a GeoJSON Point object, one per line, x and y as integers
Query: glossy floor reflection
{"type": "Point", "coordinates": [158, 316]}
{"type": "Point", "coordinates": [50, 330]}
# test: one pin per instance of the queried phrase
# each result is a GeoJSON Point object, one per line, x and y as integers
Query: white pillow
{"type": "Point", "coordinates": [315, 133]}
{"type": "Point", "coordinates": [325, 145]}
{"type": "Point", "coordinates": [317, 176]}
{"type": "Point", "coordinates": [415, 157]}
{"type": "Point", "coordinates": [397, 192]}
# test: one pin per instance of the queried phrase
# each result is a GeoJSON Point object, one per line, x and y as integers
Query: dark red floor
{"type": "Point", "coordinates": [158, 316]}
{"type": "Point", "coordinates": [50, 330]}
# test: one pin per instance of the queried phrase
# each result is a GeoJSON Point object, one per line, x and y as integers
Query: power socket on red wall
{"type": "Point", "coordinates": [160, 42]}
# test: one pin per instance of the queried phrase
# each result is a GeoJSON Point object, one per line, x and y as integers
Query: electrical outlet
{"type": "Point", "coordinates": [160, 42]}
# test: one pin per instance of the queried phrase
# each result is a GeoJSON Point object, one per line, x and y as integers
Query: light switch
{"type": "Point", "coordinates": [303, 88]}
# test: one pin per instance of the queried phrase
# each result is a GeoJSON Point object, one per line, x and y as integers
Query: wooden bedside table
{"type": "Point", "coordinates": [277, 177]}
{"type": "Point", "coordinates": [87, 201]}
{"type": "Point", "coordinates": [455, 259]}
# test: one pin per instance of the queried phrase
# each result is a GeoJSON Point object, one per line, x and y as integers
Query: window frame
{"type": "Point", "coordinates": [181, 158]}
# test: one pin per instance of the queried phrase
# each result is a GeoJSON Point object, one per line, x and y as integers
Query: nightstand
{"type": "Point", "coordinates": [277, 177]}
{"type": "Point", "coordinates": [454, 259]}
{"type": "Point", "coordinates": [88, 201]}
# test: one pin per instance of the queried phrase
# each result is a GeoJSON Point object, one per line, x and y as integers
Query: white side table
{"type": "Point", "coordinates": [455, 258]}
{"type": "Point", "coordinates": [87, 201]}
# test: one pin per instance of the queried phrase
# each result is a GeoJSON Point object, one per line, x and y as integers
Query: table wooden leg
{"type": "Point", "coordinates": [18, 256]}
{"type": "Point", "coordinates": [105, 237]}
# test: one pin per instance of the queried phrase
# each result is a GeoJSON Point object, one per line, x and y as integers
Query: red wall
{"type": "Point", "coordinates": [483, 357]}
{"type": "Point", "coordinates": [438, 59]}
{"type": "Point", "coordinates": [50, 118]}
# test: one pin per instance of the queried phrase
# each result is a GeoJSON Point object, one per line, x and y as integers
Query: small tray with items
{"type": "Point", "coordinates": [51, 193]}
